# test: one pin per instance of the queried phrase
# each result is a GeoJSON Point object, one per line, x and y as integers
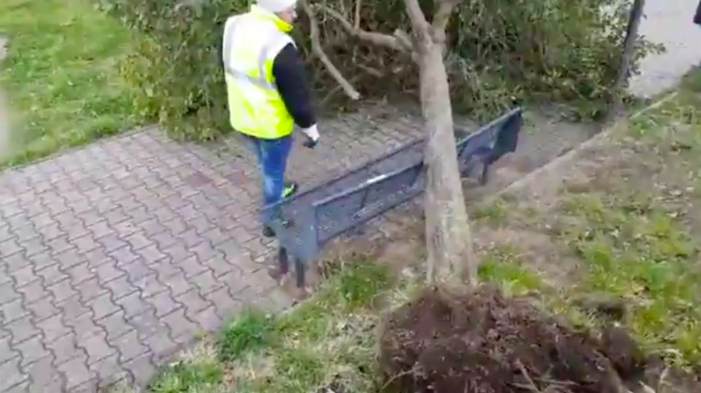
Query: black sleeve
{"type": "Point", "coordinates": [292, 84]}
{"type": "Point", "coordinates": [697, 17]}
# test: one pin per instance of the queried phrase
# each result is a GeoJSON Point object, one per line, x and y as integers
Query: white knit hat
{"type": "Point", "coordinates": [276, 5]}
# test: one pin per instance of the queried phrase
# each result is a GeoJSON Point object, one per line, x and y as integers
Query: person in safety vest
{"type": "Point", "coordinates": [268, 91]}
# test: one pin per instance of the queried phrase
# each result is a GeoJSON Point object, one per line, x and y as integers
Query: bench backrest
{"type": "Point", "coordinates": [307, 221]}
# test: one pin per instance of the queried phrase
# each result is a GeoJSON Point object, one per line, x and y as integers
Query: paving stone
{"type": "Point", "coordinates": [128, 346]}
{"type": "Point", "coordinates": [32, 349]}
{"type": "Point", "coordinates": [76, 372]}
{"type": "Point", "coordinates": [8, 292]}
{"type": "Point", "coordinates": [133, 304]}
{"type": "Point", "coordinates": [51, 274]}
{"type": "Point", "coordinates": [109, 370]}
{"type": "Point", "coordinates": [102, 306]}
{"type": "Point", "coordinates": [86, 243]}
{"type": "Point", "coordinates": [115, 325]}
{"type": "Point", "coordinates": [224, 303]}
{"type": "Point", "coordinates": [24, 276]}
{"type": "Point", "coordinates": [192, 267]}
{"type": "Point", "coordinates": [177, 284]}
{"type": "Point", "coordinates": [12, 310]}
{"type": "Point", "coordinates": [90, 289]}
{"type": "Point", "coordinates": [147, 324]}
{"type": "Point", "coordinates": [21, 329]}
{"type": "Point", "coordinates": [161, 345]}
{"type": "Point", "coordinates": [208, 320]}
{"type": "Point", "coordinates": [69, 259]}
{"type": "Point", "coordinates": [96, 347]}
{"type": "Point", "coordinates": [119, 288]}
{"type": "Point", "coordinates": [141, 368]}
{"type": "Point", "coordinates": [6, 351]}
{"type": "Point", "coordinates": [65, 349]}
{"type": "Point", "coordinates": [62, 290]}
{"type": "Point", "coordinates": [124, 255]}
{"type": "Point", "coordinates": [163, 303]}
{"type": "Point", "coordinates": [11, 374]}
{"type": "Point", "coordinates": [85, 327]}
{"type": "Point", "coordinates": [151, 254]}
{"type": "Point", "coordinates": [108, 272]}
{"type": "Point", "coordinates": [16, 262]}
{"type": "Point", "coordinates": [73, 308]}
{"type": "Point", "coordinates": [149, 285]}
{"type": "Point", "coordinates": [194, 303]}
{"type": "Point", "coordinates": [53, 328]}
{"type": "Point", "coordinates": [42, 308]}
{"type": "Point", "coordinates": [33, 291]}
{"type": "Point", "coordinates": [57, 385]}
{"type": "Point", "coordinates": [206, 283]}
{"type": "Point", "coordinates": [182, 329]}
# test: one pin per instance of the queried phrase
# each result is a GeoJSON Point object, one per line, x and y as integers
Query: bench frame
{"type": "Point", "coordinates": [476, 153]}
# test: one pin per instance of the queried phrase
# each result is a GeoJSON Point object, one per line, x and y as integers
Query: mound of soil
{"type": "Point", "coordinates": [486, 343]}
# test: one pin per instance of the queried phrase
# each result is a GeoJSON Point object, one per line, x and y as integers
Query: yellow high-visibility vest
{"type": "Point", "coordinates": [251, 43]}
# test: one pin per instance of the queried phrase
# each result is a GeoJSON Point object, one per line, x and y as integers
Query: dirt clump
{"type": "Point", "coordinates": [486, 343]}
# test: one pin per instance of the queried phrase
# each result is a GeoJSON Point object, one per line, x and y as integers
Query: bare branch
{"type": "Point", "coordinates": [442, 16]}
{"type": "Point", "coordinates": [404, 38]}
{"type": "Point", "coordinates": [380, 39]}
{"type": "Point", "coordinates": [316, 48]}
{"type": "Point", "coordinates": [358, 6]}
{"type": "Point", "coordinates": [372, 71]}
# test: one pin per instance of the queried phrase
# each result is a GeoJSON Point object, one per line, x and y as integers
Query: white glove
{"type": "Point", "coordinates": [312, 132]}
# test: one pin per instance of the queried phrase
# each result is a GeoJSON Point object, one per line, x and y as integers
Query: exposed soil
{"type": "Point", "coordinates": [485, 343]}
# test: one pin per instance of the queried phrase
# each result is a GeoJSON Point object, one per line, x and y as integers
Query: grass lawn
{"type": "Point", "coordinates": [61, 76]}
{"type": "Point", "coordinates": [621, 225]}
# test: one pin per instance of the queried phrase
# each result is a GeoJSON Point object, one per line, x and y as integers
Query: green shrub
{"type": "Point", "coordinates": [502, 52]}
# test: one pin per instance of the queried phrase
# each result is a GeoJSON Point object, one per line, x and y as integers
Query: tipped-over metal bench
{"type": "Point", "coordinates": [306, 222]}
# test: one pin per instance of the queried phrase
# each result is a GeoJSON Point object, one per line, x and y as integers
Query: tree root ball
{"type": "Point", "coordinates": [486, 343]}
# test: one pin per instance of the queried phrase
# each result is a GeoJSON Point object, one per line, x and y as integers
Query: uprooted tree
{"type": "Point", "coordinates": [448, 234]}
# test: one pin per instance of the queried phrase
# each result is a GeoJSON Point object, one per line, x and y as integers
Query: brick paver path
{"type": "Point", "coordinates": [114, 256]}
{"type": "Point", "coordinates": [670, 23]}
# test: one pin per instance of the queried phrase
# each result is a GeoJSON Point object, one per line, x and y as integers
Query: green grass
{"type": "Point", "coordinates": [634, 227]}
{"type": "Point", "coordinates": [330, 337]}
{"type": "Point", "coordinates": [62, 76]}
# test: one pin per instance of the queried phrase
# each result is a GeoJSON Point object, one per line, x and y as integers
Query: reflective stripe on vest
{"type": "Point", "coordinates": [250, 44]}
{"type": "Point", "coordinates": [261, 81]}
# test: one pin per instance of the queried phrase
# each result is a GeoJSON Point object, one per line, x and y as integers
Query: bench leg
{"type": "Point", "coordinates": [283, 261]}
{"type": "Point", "coordinates": [300, 273]}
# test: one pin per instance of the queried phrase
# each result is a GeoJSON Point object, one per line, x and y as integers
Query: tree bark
{"type": "Point", "coordinates": [448, 234]}
{"type": "Point", "coordinates": [636, 14]}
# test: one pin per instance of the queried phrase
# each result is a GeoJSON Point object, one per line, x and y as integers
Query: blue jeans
{"type": "Point", "coordinates": [272, 159]}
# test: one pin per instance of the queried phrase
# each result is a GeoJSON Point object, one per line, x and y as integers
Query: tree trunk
{"type": "Point", "coordinates": [448, 234]}
{"type": "Point", "coordinates": [636, 14]}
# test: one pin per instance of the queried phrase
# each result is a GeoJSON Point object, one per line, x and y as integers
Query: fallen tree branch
{"type": "Point", "coordinates": [318, 51]}
{"type": "Point", "coordinates": [333, 92]}
{"type": "Point", "coordinates": [388, 41]}
{"type": "Point", "coordinates": [358, 6]}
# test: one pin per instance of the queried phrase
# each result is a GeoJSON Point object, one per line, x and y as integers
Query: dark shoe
{"type": "Point", "coordinates": [300, 295]}
{"type": "Point", "coordinates": [268, 231]}
{"type": "Point", "coordinates": [290, 189]}
{"type": "Point", "coordinates": [278, 275]}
